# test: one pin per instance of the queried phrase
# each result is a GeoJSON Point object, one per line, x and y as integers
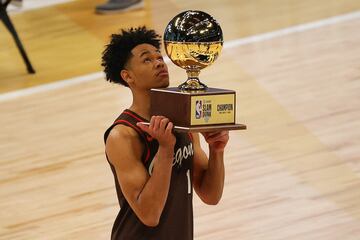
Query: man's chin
{"type": "Point", "coordinates": [164, 84]}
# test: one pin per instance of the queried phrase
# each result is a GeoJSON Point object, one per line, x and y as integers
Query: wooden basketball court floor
{"type": "Point", "coordinates": [294, 174]}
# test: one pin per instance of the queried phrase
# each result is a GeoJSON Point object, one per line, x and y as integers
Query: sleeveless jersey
{"type": "Point", "coordinates": [176, 221]}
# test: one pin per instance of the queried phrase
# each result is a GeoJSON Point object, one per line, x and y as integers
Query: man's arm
{"type": "Point", "coordinates": [209, 173]}
{"type": "Point", "coordinates": [145, 194]}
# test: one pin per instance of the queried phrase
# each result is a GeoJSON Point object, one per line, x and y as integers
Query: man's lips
{"type": "Point", "coordinates": [162, 72]}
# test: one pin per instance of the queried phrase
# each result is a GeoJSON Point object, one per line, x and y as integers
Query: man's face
{"type": "Point", "coordinates": [146, 68]}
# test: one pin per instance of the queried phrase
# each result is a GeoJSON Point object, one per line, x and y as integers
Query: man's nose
{"type": "Point", "coordinates": [159, 63]}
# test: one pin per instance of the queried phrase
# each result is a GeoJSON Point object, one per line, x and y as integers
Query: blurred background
{"type": "Point", "coordinates": [293, 174]}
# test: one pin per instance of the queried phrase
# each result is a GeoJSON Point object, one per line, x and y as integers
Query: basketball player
{"type": "Point", "coordinates": [155, 168]}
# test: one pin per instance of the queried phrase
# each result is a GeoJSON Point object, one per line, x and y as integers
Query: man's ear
{"type": "Point", "coordinates": [127, 76]}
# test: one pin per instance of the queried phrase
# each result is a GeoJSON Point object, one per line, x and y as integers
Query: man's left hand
{"type": "Point", "coordinates": [216, 140]}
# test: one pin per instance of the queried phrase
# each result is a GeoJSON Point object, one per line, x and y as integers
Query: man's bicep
{"type": "Point", "coordinates": [124, 150]}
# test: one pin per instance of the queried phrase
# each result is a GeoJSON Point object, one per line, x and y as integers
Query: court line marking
{"type": "Point", "coordinates": [32, 5]}
{"type": "Point", "coordinates": [228, 45]}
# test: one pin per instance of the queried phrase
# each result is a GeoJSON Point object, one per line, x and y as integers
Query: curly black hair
{"type": "Point", "coordinates": [118, 51]}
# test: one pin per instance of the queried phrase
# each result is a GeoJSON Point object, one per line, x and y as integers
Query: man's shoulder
{"type": "Point", "coordinates": [123, 146]}
{"type": "Point", "coordinates": [121, 131]}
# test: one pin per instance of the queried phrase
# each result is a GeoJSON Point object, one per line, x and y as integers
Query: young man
{"type": "Point", "coordinates": [155, 168]}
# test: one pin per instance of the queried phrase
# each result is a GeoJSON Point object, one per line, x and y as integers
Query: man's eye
{"type": "Point", "coordinates": [147, 60]}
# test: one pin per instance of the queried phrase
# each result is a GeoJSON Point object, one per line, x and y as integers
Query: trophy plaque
{"type": "Point", "coordinates": [193, 40]}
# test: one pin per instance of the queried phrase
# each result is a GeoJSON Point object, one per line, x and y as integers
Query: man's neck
{"type": "Point", "coordinates": [141, 104]}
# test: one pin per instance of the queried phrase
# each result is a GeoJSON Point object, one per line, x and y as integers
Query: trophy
{"type": "Point", "coordinates": [193, 40]}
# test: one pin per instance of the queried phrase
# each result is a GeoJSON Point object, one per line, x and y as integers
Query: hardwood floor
{"type": "Point", "coordinates": [293, 174]}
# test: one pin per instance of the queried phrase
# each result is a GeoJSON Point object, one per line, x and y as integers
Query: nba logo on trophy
{"type": "Point", "coordinates": [198, 109]}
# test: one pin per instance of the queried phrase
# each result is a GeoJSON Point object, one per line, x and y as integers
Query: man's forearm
{"type": "Point", "coordinates": [212, 183]}
{"type": "Point", "coordinates": [153, 196]}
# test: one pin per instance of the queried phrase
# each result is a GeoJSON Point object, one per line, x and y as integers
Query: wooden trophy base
{"type": "Point", "coordinates": [211, 128]}
{"type": "Point", "coordinates": [196, 111]}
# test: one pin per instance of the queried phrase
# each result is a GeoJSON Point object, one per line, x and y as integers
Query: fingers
{"type": "Point", "coordinates": [212, 137]}
{"type": "Point", "coordinates": [169, 128]}
{"type": "Point", "coordinates": [220, 138]}
{"type": "Point", "coordinates": [163, 123]}
{"type": "Point", "coordinates": [157, 125]}
{"type": "Point", "coordinates": [143, 126]}
{"type": "Point", "coordinates": [154, 123]}
{"type": "Point", "coordinates": [214, 134]}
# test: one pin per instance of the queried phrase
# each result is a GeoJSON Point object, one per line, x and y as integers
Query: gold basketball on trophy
{"type": "Point", "coordinates": [193, 40]}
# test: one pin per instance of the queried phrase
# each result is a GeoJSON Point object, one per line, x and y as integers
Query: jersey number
{"type": "Point", "coordinates": [188, 180]}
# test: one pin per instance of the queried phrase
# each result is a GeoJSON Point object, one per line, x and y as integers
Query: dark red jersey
{"type": "Point", "coordinates": [176, 221]}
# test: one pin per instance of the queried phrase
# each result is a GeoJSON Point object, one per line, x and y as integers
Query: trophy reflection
{"type": "Point", "coordinates": [193, 57]}
{"type": "Point", "coordinates": [193, 40]}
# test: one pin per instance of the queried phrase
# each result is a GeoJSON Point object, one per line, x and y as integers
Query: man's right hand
{"type": "Point", "coordinates": [160, 128]}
